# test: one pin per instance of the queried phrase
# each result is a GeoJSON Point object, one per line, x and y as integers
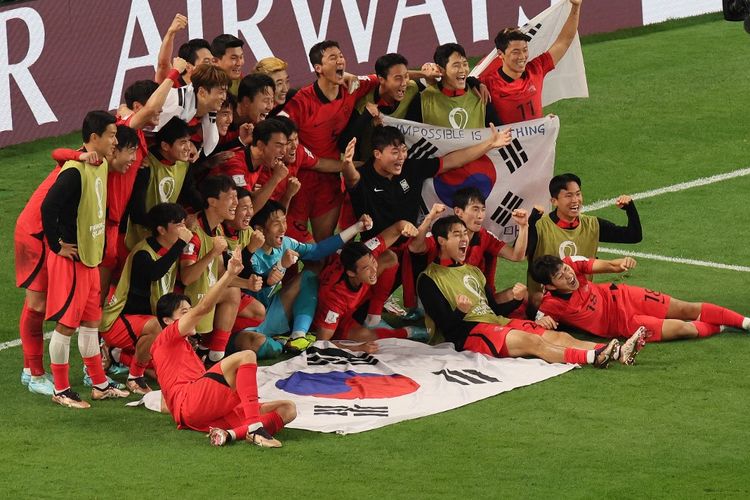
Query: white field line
{"type": "Point", "coordinates": [676, 260]}
{"type": "Point", "coordinates": [703, 181]}
{"type": "Point", "coordinates": [17, 342]}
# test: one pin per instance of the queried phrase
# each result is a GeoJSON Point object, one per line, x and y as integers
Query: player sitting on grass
{"type": "Point", "coordinates": [224, 400]}
{"type": "Point", "coordinates": [615, 310]}
{"type": "Point", "coordinates": [455, 300]}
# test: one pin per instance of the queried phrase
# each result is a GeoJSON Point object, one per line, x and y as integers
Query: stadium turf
{"type": "Point", "coordinates": [668, 104]}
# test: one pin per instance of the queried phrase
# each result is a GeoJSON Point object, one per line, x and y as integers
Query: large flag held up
{"type": "Point", "coordinates": [516, 176]}
{"type": "Point", "coordinates": [568, 79]}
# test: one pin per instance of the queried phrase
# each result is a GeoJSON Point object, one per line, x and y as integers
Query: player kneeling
{"type": "Point", "coordinates": [222, 401]}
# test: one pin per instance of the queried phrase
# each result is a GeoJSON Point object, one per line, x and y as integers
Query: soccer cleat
{"type": "Point", "coordinates": [88, 383]}
{"type": "Point", "coordinates": [109, 392]}
{"type": "Point", "coordinates": [138, 385]}
{"type": "Point", "coordinates": [297, 345]}
{"type": "Point", "coordinates": [25, 377]}
{"type": "Point", "coordinates": [70, 399]}
{"type": "Point", "coordinates": [118, 369]}
{"type": "Point", "coordinates": [414, 314]}
{"type": "Point", "coordinates": [218, 437]}
{"type": "Point", "coordinates": [261, 437]}
{"type": "Point", "coordinates": [633, 346]}
{"type": "Point", "coordinates": [42, 385]}
{"type": "Point", "coordinates": [418, 333]}
{"type": "Point", "coordinates": [311, 338]}
{"type": "Point", "coordinates": [392, 307]}
{"type": "Point", "coordinates": [605, 354]}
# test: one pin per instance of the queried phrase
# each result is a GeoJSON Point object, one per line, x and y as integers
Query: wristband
{"type": "Point", "coordinates": [174, 75]}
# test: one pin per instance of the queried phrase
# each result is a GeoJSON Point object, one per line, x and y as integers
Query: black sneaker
{"type": "Point", "coordinates": [261, 437]}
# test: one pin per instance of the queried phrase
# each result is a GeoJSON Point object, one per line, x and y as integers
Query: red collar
{"type": "Point", "coordinates": [568, 225]}
{"type": "Point", "coordinates": [452, 93]}
{"type": "Point", "coordinates": [448, 262]}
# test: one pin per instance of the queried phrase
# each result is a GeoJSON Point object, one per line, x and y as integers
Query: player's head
{"type": "Point", "coordinates": [566, 196]}
{"type": "Point", "coordinates": [271, 221]}
{"type": "Point", "coordinates": [173, 140]}
{"type": "Point", "coordinates": [219, 195]}
{"type": "Point", "coordinates": [328, 61]}
{"type": "Point", "coordinates": [255, 97]}
{"type": "Point", "coordinates": [125, 151]}
{"type": "Point", "coordinates": [454, 67]}
{"type": "Point", "coordinates": [137, 95]}
{"type": "Point", "coordinates": [210, 85]}
{"type": "Point", "coordinates": [99, 133]}
{"type": "Point", "coordinates": [554, 274]}
{"type": "Point", "coordinates": [244, 212]}
{"type": "Point", "coordinates": [225, 116]}
{"type": "Point", "coordinates": [195, 52]}
{"type": "Point", "coordinates": [277, 69]}
{"type": "Point", "coordinates": [292, 134]}
{"type": "Point", "coordinates": [228, 55]}
{"type": "Point", "coordinates": [393, 74]}
{"type": "Point", "coordinates": [165, 220]}
{"type": "Point", "coordinates": [270, 139]}
{"type": "Point", "coordinates": [171, 307]}
{"type": "Point", "coordinates": [513, 45]}
{"type": "Point", "coordinates": [452, 238]}
{"type": "Point", "coordinates": [389, 150]}
{"type": "Point", "coordinates": [469, 206]}
{"type": "Point", "coordinates": [359, 263]}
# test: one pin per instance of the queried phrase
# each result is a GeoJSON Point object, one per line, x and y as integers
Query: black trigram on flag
{"type": "Point", "coordinates": [513, 155]}
{"type": "Point", "coordinates": [503, 213]}
{"type": "Point", "coordinates": [422, 149]}
{"type": "Point", "coordinates": [354, 411]}
{"type": "Point", "coordinates": [534, 29]}
{"type": "Point", "coordinates": [466, 377]}
{"type": "Point", "coordinates": [331, 356]}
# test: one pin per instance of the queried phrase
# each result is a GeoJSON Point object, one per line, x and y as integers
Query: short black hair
{"type": "Point", "coordinates": [189, 50]}
{"type": "Point", "coordinates": [253, 84]}
{"type": "Point", "coordinates": [507, 35]}
{"type": "Point", "coordinates": [441, 227]}
{"type": "Point", "coordinates": [266, 128]}
{"type": "Point", "coordinates": [162, 214]}
{"type": "Point", "coordinates": [560, 182]}
{"type": "Point", "coordinates": [287, 122]}
{"type": "Point", "coordinates": [466, 195]}
{"type": "Point", "coordinates": [384, 136]}
{"type": "Point", "coordinates": [168, 304]}
{"type": "Point", "coordinates": [229, 102]}
{"type": "Point", "coordinates": [173, 130]}
{"type": "Point", "coordinates": [242, 192]}
{"type": "Point", "coordinates": [221, 43]}
{"type": "Point", "coordinates": [351, 252]}
{"type": "Point", "coordinates": [443, 53]}
{"type": "Point", "coordinates": [96, 122]}
{"type": "Point", "coordinates": [261, 216]}
{"type": "Point", "coordinates": [384, 63]}
{"type": "Point", "coordinates": [139, 92]}
{"type": "Point", "coordinates": [212, 187]}
{"type": "Point", "coordinates": [544, 267]}
{"type": "Point", "coordinates": [317, 50]}
{"type": "Point", "coordinates": [126, 137]}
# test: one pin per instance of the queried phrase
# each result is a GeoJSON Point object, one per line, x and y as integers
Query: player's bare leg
{"type": "Point", "coordinates": [254, 310]}
{"type": "Point", "coordinates": [105, 279]}
{"type": "Point", "coordinates": [224, 318]}
{"type": "Point", "coordinates": [324, 225]}
{"type": "Point", "coordinates": [136, 378]}
{"type": "Point", "coordinates": [705, 312]}
{"type": "Point", "coordinates": [519, 343]}
{"type": "Point", "coordinates": [249, 341]}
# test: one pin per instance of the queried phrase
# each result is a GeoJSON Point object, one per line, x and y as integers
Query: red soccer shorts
{"type": "Point", "coordinates": [75, 296]}
{"type": "Point", "coordinates": [111, 234]}
{"type": "Point", "coordinates": [31, 271]}
{"type": "Point", "coordinates": [126, 330]}
{"type": "Point", "coordinates": [320, 193]}
{"type": "Point", "coordinates": [245, 301]}
{"type": "Point", "coordinates": [527, 326]}
{"type": "Point", "coordinates": [489, 339]}
{"type": "Point", "coordinates": [640, 307]}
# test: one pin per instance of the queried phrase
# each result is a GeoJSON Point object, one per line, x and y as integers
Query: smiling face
{"type": "Point", "coordinates": [213, 99]}
{"type": "Point", "coordinates": [170, 234]}
{"type": "Point", "coordinates": [232, 62]}
{"type": "Point", "coordinates": [366, 271]}
{"type": "Point", "coordinates": [472, 215]}
{"type": "Point", "coordinates": [243, 214]}
{"type": "Point", "coordinates": [569, 202]}
{"type": "Point", "coordinates": [105, 144]}
{"type": "Point", "coordinates": [390, 161]}
{"type": "Point", "coordinates": [256, 109]}
{"type": "Point", "coordinates": [225, 206]}
{"type": "Point", "coordinates": [332, 66]}
{"type": "Point", "coordinates": [393, 88]}
{"type": "Point", "coordinates": [290, 157]}
{"type": "Point", "coordinates": [564, 280]}
{"type": "Point", "coordinates": [275, 150]}
{"type": "Point", "coordinates": [275, 229]}
{"type": "Point", "coordinates": [281, 82]}
{"type": "Point", "coordinates": [181, 311]}
{"type": "Point", "coordinates": [515, 57]}
{"type": "Point", "coordinates": [224, 119]}
{"type": "Point", "coordinates": [123, 159]}
{"type": "Point", "coordinates": [455, 244]}
{"type": "Point", "coordinates": [455, 72]}
{"type": "Point", "coordinates": [179, 150]}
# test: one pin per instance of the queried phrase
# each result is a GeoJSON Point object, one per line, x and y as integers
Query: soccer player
{"type": "Point", "coordinates": [277, 70]}
{"type": "Point", "coordinates": [515, 83]}
{"type": "Point", "coordinates": [450, 103]}
{"type": "Point", "coordinates": [194, 52]}
{"type": "Point", "coordinates": [566, 231]}
{"type": "Point", "coordinates": [290, 309]}
{"type": "Point", "coordinates": [615, 310]}
{"type": "Point", "coordinates": [224, 400]}
{"type": "Point", "coordinates": [321, 112]}
{"type": "Point", "coordinates": [229, 56]}
{"type": "Point", "coordinates": [128, 320]}
{"type": "Point", "coordinates": [362, 271]}
{"type": "Point", "coordinates": [456, 304]}
{"type": "Point", "coordinates": [255, 98]}
{"type": "Point", "coordinates": [73, 218]}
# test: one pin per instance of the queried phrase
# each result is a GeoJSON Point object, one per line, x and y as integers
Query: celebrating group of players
{"type": "Point", "coordinates": [196, 231]}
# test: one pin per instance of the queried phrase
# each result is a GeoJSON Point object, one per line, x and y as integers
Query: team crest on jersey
{"type": "Point", "coordinates": [568, 249]}
{"type": "Point", "coordinates": [404, 185]}
{"type": "Point", "coordinates": [239, 180]}
{"type": "Point", "coordinates": [458, 117]}
{"type": "Point", "coordinates": [332, 317]}
{"type": "Point", "coordinates": [166, 189]}
{"type": "Point", "coordinates": [372, 243]}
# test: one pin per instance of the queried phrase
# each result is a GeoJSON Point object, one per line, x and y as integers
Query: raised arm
{"type": "Point", "coordinates": [417, 244]}
{"type": "Point", "coordinates": [517, 252]}
{"type": "Point", "coordinates": [461, 157]}
{"type": "Point", "coordinates": [179, 23]}
{"type": "Point", "coordinates": [567, 34]}
{"type": "Point", "coordinates": [351, 175]}
{"type": "Point", "coordinates": [613, 266]}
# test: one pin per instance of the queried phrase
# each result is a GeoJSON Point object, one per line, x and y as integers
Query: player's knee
{"type": "Point", "coordinates": [36, 301]}
{"type": "Point", "coordinates": [255, 310]}
{"type": "Point", "coordinates": [247, 357]}
{"type": "Point", "coordinates": [231, 296]}
{"type": "Point", "coordinates": [287, 410]}
{"type": "Point", "coordinates": [151, 328]}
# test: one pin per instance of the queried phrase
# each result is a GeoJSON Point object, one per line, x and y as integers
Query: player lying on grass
{"type": "Point", "coordinates": [616, 310]}
{"type": "Point", "coordinates": [455, 299]}
{"type": "Point", "coordinates": [222, 401]}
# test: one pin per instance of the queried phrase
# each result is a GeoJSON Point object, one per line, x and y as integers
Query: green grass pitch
{"type": "Point", "coordinates": [668, 104]}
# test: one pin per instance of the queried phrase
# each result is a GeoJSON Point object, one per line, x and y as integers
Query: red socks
{"type": "Point", "coordinates": [706, 329]}
{"type": "Point", "coordinates": [60, 376]}
{"type": "Point", "coordinates": [137, 369]}
{"type": "Point", "coordinates": [571, 355]}
{"type": "Point", "coordinates": [242, 323]}
{"type": "Point", "coordinates": [247, 390]}
{"type": "Point", "coordinates": [32, 341]}
{"type": "Point", "coordinates": [94, 367]}
{"type": "Point", "coordinates": [216, 340]}
{"type": "Point", "coordinates": [717, 315]}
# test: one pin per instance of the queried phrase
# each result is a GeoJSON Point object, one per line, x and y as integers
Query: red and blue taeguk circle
{"type": "Point", "coordinates": [348, 385]}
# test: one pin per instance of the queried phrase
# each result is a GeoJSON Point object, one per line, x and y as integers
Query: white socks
{"type": "Point", "coordinates": [59, 348]}
{"type": "Point", "coordinates": [88, 341]}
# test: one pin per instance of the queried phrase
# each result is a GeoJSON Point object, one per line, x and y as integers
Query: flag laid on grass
{"type": "Point", "coordinates": [340, 391]}
{"type": "Point", "coordinates": [516, 176]}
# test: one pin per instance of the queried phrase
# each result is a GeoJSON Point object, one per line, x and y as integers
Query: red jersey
{"type": "Point", "coordinates": [120, 186]}
{"type": "Point", "coordinates": [176, 365]}
{"type": "Point", "coordinates": [321, 121]}
{"type": "Point", "coordinates": [591, 307]}
{"type": "Point", "coordinates": [31, 216]}
{"type": "Point", "coordinates": [521, 99]}
{"type": "Point", "coordinates": [236, 168]}
{"type": "Point", "coordinates": [305, 160]}
{"type": "Point", "coordinates": [336, 298]}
